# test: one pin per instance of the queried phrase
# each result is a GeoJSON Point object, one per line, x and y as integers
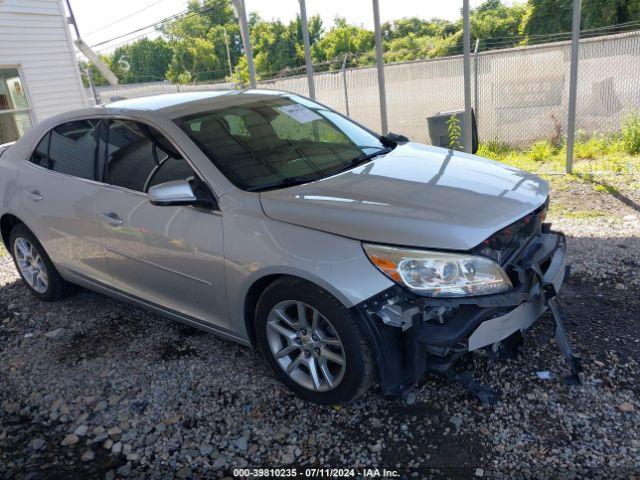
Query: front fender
{"type": "Point", "coordinates": [257, 247]}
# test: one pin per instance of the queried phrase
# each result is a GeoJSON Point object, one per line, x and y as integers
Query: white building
{"type": "Point", "coordinates": [39, 75]}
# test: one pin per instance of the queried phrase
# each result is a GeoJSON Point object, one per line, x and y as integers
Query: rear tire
{"type": "Point", "coordinates": [35, 267]}
{"type": "Point", "coordinates": [325, 357]}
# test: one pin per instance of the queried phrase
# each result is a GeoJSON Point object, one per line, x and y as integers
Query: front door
{"type": "Point", "coordinates": [171, 256]}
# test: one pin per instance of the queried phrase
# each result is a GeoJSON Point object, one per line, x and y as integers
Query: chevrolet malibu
{"type": "Point", "coordinates": [346, 257]}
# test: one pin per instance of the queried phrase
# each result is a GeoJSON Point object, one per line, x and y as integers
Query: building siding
{"type": "Point", "coordinates": [34, 36]}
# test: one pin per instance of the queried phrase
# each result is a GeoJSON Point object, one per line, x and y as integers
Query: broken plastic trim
{"type": "Point", "coordinates": [409, 335]}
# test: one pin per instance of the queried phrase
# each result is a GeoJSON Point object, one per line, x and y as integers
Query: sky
{"type": "Point", "coordinates": [99, 21]}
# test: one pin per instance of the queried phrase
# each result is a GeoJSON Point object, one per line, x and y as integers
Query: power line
{"type": "Point", "coordinates": [166, 19]}
{"type": "Point", "coordinates": [128, 40]}
{"type": "Point", "coordinates": [125, 17]}
{"type": "Point", "coordinates": [178, 16]}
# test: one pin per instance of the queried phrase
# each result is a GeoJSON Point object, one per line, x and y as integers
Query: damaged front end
{"type": "Point", "coordinates": [413, 334]}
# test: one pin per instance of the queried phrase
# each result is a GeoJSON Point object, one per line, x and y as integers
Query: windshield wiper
{"type": "Point", "coordinates": [354, 162]}
{"type": "Point", "coordinates": [285, 182]}
{"type": "Point", "coordinates": [293, 181]}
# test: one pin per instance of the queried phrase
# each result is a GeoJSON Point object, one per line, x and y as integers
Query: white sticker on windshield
{"type": "Point", "coordinates": [300, 113]}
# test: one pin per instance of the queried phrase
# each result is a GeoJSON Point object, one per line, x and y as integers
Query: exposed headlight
{"type": "Point", "coordinates": [439, 274]}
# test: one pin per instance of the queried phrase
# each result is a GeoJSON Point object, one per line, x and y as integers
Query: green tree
{"type": "Point", "coordinates": [194, 60]}
{"type": "Point", "coordinates": [410, 47]}
{"type": "Point", "coordinates": [199, 41]}
{"type": "Point", "coordinates": [493, 20]}
{"type": "Point", "coordinates": [96, 76]}
{"type": "Point", "coordinates": [603, 13]}
{"type": "Point", "coordinates": [142, 61]}
{"type": "Point", "coordinates": [417, 27]}
{"type": "Point", "coordinates": [193, 47]}
{"type": "Point", "coordinates": [343, 38]}
{"type": "Point", "coordinates": [277, 47]}
{"type": "Point", "coordinates": [554, 16]}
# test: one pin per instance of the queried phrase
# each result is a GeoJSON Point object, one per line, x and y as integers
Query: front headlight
{"type": "Point", "coordinates": [439, 274]}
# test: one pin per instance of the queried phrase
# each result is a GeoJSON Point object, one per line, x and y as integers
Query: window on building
{"type": "Point", "coordinates": [15, 114]}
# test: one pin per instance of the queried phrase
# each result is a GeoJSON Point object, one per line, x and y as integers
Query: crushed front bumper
{"type": "Point", "coordinates": [412, 334]}
{"type": "Point", "coordinates": [553, 251]}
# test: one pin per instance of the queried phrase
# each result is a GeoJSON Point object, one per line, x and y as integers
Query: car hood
{"type": "Point", "coordinates": [416, 195]}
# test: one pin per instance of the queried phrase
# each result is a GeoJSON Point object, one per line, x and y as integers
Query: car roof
{"type": "Point", "coordinates": [159, 102]}
{"type": "Point", "coordinates": [174, 104]}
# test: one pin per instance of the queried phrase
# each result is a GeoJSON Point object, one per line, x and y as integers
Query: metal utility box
{"type": "Point", "coordinates": [439, 131]}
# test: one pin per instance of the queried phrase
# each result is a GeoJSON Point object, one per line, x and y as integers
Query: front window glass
{"type": "Point", "coordinates": [15, 119]}
{"type": "Point", "coordinates": [267, 142]}
{"type": "Point", "coordinates": [139, 157]}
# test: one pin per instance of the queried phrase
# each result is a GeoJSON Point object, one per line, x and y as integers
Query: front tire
{"type": "Point", "coordinates": [312, 342]}
{"type": "Point", "coordinates": [35, 267]}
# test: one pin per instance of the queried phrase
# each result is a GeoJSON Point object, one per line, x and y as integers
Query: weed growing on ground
{"type": "Point", "coordinates": [630, 133]}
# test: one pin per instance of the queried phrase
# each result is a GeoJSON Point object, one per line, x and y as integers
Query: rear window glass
{"type": "Point", "coordinates": [40, 155]}
{"type": "Point", "coordinates": [72, 149]}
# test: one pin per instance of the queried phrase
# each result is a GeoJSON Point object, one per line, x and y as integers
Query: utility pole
{"type": "Point", "coordinates": [380, 63]}
{"type": "Point", "coordinates": [466, 50]}
{"type": "Point", "coordinates": [226, 42]}
{"type": "Point", "coordinates": [573, 83]}
{"type": "Point", "coordinates": [90, 54]}
{"type": "Point", "coordinates": [241, 14]}
{"type": "Point", "coordinates": [96, 99]}
{"type": "Point", "coordinates": [476, 78]}
{"type": "Point", "coordinates": [344, 82]}
{"type": "Point", "coordinates": [307, 49]}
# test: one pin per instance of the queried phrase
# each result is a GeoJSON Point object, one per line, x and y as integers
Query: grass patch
{"type": "Point", "coordinates": [559, 210]}
{"type": "Point", "coordinates": [601, 163]}
{"type": "Point", "coordinates": [598, 156]}
{"type": "Point", "coordinates": [3, 251]}
{"type": "Point", "coordinates": [630, 133]}
{"type": "Point", "coordinates": [541, 151]}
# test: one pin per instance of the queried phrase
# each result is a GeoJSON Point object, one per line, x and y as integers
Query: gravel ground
{"type": "Point", "coordinates": [93, 388]}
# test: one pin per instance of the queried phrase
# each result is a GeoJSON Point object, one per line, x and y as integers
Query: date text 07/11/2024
{"type": "Point", "coordinates": [315, 473]}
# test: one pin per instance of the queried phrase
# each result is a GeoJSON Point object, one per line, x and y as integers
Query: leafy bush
{"type": "Point", "coordinates": [631, 133]}
{"type": "Point", "coordinates": [454, 129]}
{"type": "Point", "coordinates": [495, 150]}
{"type": "Point", "coordinates": [541, 151]}
{"type": "Point", "coordinates": [589, 148]}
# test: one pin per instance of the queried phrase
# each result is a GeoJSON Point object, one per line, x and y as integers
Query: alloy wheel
{"type": "Point", "coordinates": [31, 265]}
{"type": "Point", "coordinates": [306, 346]}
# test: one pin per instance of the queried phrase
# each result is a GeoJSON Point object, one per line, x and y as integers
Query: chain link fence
{"type": "Point", "coordinates": [522, 93]}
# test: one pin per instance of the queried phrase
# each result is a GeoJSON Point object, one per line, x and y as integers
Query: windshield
{"type": "Point", "coordinates": [276, 141]}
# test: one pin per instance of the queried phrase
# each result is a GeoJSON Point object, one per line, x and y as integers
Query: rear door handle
{"type": "Point", "coordinates": [34, 195]}
{"type": "Point", "coordinates": [112, 218]}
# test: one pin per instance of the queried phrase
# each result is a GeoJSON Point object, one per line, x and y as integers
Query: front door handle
{"type": "Point", "coordinates": [34, 195]}
{"type": "Point", "coordinates": [112, 218]}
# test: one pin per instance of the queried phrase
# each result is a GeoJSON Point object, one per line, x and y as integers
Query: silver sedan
{"type": "Point", "coordinates": [273, 221]}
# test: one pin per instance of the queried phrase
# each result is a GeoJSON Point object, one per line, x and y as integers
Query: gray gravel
{"type": "Point", "coordinates": [93, 388]}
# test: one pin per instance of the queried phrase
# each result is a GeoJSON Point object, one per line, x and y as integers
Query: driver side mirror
{"type": "Point", "coordinates": [393, 139]}
{"type": "Point", "coordinates": [176, 192]}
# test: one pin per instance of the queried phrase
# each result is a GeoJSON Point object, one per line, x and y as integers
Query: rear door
{"type": "Point", "coordinates": [58, 187]}
{"type": "Point", "coordinates": [171, 256]}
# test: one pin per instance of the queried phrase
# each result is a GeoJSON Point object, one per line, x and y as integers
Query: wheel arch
{"type": "Point", "coordinates": [7, 222]}
{"type": "Point", "coordinates": [258, 284]}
